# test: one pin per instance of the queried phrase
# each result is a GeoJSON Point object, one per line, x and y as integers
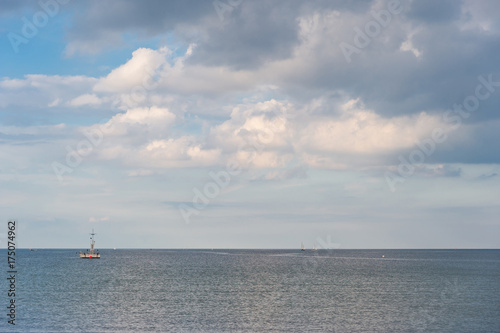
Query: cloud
{"type": "Point", "coordinates": [40, 91]}
{"type": "Point", "coordinates": [398, 88]}
{"type": "Point", "coordinates": [136, 72]}
{"type": "Point", "coordinates": [481, 15]}
{"type": "Point", "coordinates": [98, 219]}
{"type": "Point", "coordinates": [182, 152]}
{"type": "Point", "coordinates": [136, 125]}
{"type": "Point", "coordinates": [365, 132]}
{"type": "Point", "coordinates": [275, 134]}
{"type": "Point", "coordinates": [160, 154]}
{"type": "Point", "coordinates": [142, 138]}
{"type": "Point", "coordinates": [87, 99]}
{"type": "Point", "coordinates": [112, 19]}
{"type": "Point", "coordinates": [261, 124]}
{"type": "Point", "coordinates": [434, 12]}
{"type": "Point", "coordinates": [410, 67]}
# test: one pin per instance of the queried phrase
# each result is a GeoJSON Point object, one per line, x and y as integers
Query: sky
{"type": "Point", "coordinates": [251, 124]}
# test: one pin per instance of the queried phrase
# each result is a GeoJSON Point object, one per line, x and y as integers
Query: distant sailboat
{"type": "Point", "coordinates": [302, 248]}
{"type": "Point", "coordinates": [92, 254]}
{"type": "Point", "coordinates": [314, 247]}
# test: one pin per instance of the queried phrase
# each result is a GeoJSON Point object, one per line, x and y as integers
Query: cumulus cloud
{"type": "Point", "coordinates": [182, 152]}
{"type": "Point", "coordinates": [360, 131]}
{"type": "Point", "coordinates": [136, 125]}
{"type": "Point", "coordinates": [136, 72]}
{"type": "Point", "coordinates": [142, 138]}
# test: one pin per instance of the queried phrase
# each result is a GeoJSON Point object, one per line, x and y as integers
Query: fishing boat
{"type": "Point", "coordinates": [92, 254]}
{"type": "Point", "coordinates": [302, 247]}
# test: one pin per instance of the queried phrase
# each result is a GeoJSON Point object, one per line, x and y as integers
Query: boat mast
{"type": "Point", "coordinates": [93, 242]}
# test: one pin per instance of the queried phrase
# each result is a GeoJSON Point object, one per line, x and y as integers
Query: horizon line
{"type": "Point", "coordinates": [222, 248]}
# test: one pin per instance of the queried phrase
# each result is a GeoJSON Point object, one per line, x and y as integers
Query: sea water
{"type": "Point", "coordinates": [255, 291]}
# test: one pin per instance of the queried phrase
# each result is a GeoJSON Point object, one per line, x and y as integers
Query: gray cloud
{"type": "Point", "coordinates": [430, 11]}
{"type": "Point", "coordinates": [99, 25]}
{"type": "Point", "coordinates": [249, 34]}
{"type": "Point", "coordinates": [255, 33]}
{"type": "Point", "coordinates": [260, 31]}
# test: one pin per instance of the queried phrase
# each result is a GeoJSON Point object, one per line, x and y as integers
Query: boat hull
{"type": "Point", "coordinates": [90, 256]}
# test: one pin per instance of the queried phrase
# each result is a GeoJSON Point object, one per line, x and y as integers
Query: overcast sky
{"type": "Point", "coordinates": [251, 124]}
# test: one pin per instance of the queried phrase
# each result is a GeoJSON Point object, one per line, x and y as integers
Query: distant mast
{"type": "Point", "coordinates": [93, 242]}
{"type": "Point", "coordinates": [302, 247]}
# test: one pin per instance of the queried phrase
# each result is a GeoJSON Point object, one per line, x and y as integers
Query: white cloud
{"type": "Point", "coordinates": [179, 153]}
{"type": "Point", "coordinates": [364, 132]}
{"type": "Point", "coordinates": [8, 83]}
{"type": "Point", "coordinates": [87, 99]}
{"type": "Point", "coordinates": [259, 124]}
{"type": "Point", "coordinates": [139, 71]}
{"type": "Point", "coordinates": [141, 138]}
{"type": "Point", "coordinates": [151, 122]}
{"type": "Point", "coordinates": [272, 134]}
{"type": "Point", "coordinates": [408, 46]}
{"type": "Point", "coordinates": [43, 90]}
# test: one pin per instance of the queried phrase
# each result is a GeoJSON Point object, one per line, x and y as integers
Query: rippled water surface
{"type": "Point", "coordinates": [256, 291]}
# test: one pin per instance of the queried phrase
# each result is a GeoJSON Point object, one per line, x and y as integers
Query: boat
{"type": "Point", "coordinates": [92, 254]}
{"type": "Point", "coordinates": [314, 247]}
{"type": "Point", "coordinates": [302, 248]}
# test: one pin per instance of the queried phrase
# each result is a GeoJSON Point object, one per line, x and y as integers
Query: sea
{"type": "Point", "coordinates": [132, 290]}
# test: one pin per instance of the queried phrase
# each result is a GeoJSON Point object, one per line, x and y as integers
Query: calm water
{"type": "Point", "coordinates": [256, 291]}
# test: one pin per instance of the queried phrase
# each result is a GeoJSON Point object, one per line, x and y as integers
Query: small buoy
{"type": "Point", "coordinates": [383, 256]}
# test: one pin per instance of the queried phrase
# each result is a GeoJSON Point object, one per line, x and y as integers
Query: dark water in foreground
{"type": "Point", "coordinates": [256, 291]}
